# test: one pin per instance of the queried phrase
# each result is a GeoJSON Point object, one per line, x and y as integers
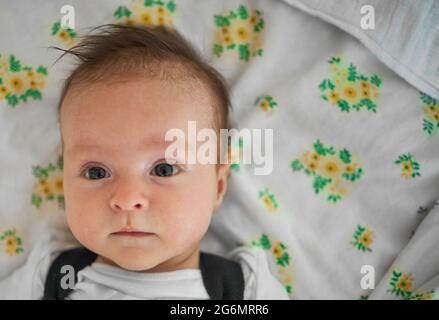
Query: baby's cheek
{"type": "Point", "coordinates": [83, 227]}
{"type": "Point", "coordinates": [189, 222]}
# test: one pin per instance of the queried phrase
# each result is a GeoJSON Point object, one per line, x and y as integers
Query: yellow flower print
{"type": "Point", "coordinates": [3, 92]}
{"type": "Point", "coordinates": [332, 171]}
{"type": "Point", "coordinates": [161, 11]}
{"type": "Point", "coordinates": [146, 13]}
{"type": "Point", "coordinates": [430, 106]}
{"type": "Point", "coordinates": [33, 84]}
{"type": "Point", "coordinates": [255, 17]}
{"type": "Point", "coordinates": [146, 18]}
{"type": "Point", "coordinates": [36, 82]}
{"type": "Point", "coordinates": [331, 167]}
{"type": "Point", "coordinates": [242, 34]}
{"type": "Point", "coordinates": [365, 88]}
{"type": "Point", "coordinates": [405, 283]}
{"type": "Point", "coordinates": [17, 81]}
{"type": "Point", "coordinates": [335, 68]}
{"type": "Point", "coordinates": [268, 203]}
{"type": "Point", "coordinates": [407, 169]}
{"type": "Point", "coordinates": [350, 92]}
{"type": "Point", "coordinates": [401, 284]}
{"type": "Point", "coordinates": [56, 182]}
{"type": "Point", "coordinates": [410, 168]}
{"type": "Point", "coordinates": [305, 156]}
{"type": "Point", "coordinates": [334, 96]}
{"type": "Point", "coordinates": [424, 295]}
{"type": "Point", "coordinates": [223, 36]}
{"type": "Point", "coordinates": [241, 31]}
{"type": "Point", "coordinates": [269, 200]}
{"type": "Point", "coordinates": [265, 105]}
{"type": "Point", "coordinates": [282, 257]}
{"type": "Point", "coordinates": [235, 154]}
{"type": "Point", "coordinates": [429, 111]}
{"type": "Point", "coordinates": [228, 40]}
{"type": "Point", "coordinates": [129, 22]}
{"type": "Point", "coordinates": [362, 239]}
{"type": "Point", "coordinates": [277, 250]}
{"type": "Point", "coordinates": [312, 166]}
{"type": "Point", "coordinates": [374, 92]}
{"type": "Point", "coordinates": [30, 74]}
{"type": "Point", "coordinates": [256, 44]}
{"type": "Point", "coordinates": [336, 189]}
{"type": "Point", "coordinates": [350, 168]}
{"type": "Point", "coordinates": [16, 84]}
{"type": "Point", "coordinates": [366, 94]}
{"type": "Point", "coordinates": [44, 187]}
{"type": "Point", "coordinates": [432, 112]}
{"type": "Point", "coordinates": [315, 156]}
{"type": "Point", "coordinates": [161, 21]}
{"type": "Point", "coordinates": [3, 66]}
{"type": "Point", "coordinates": [47, 189]}
{"type": "Point", "coordinates": [225, 31]}
{"type": "Point", "coordinates": [365, 85]}
{"type": "Point", "coordinates": [63, 35]}
{"type": "Point", "coordinates": [311, 161]}
{"type": "Point", "coordinates": [366, 238]}
{"type": "Point", "coordinates": [13, 243]}
{"type": "Point", "coordinates": [49, 186]}
{"type": "Point", "coordinates": [348, 89]}
{"type": "Point", "coordinates": [287, 279]}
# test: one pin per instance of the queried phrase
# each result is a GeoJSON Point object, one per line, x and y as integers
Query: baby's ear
{"type": "Point", "coordinates": [223, 172]}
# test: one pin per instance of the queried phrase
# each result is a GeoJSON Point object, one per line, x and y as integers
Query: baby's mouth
{"type": "Point", "coordinates": [130, 232]}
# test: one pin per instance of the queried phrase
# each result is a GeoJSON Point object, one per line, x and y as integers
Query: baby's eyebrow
{"type": "Point", "coordinates": [87, 147]}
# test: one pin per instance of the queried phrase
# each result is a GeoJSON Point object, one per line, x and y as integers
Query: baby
{"type": "Point", "coordinates": [139, 216]}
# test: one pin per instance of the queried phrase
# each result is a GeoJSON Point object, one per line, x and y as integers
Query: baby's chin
{"type": "Point", "coordinates": [134, 259]}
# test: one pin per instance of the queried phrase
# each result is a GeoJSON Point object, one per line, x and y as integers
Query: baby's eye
{"type": "Point", "coordinates": [94, 173]}
{"type": "Point", "coordinates": [165, 170]}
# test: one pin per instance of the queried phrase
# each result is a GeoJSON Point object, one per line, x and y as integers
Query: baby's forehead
{"type": "Point", "coordinates": [82, 144]}
{"type": "Point", "coordinates": [138, 94]}
{"type": "Point", "coordinates": [137, 108]}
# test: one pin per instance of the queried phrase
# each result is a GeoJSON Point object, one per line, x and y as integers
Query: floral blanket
{"type": "Point", "coordinates": [350, 209]}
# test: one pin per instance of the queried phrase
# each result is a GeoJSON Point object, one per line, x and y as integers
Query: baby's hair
{"type": "Point", "coordinates": [156, 52]}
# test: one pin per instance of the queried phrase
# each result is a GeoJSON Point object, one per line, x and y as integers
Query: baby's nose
{"type": "Point", "coordinates": [122, 207]}
{"type": "Point", "coordinates": [129, 198]}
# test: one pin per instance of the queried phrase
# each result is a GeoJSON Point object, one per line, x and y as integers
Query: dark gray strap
{"type": "Point", "coordinates": [222, 278]}
{"type": "Point", "coordinates": [78, 258]}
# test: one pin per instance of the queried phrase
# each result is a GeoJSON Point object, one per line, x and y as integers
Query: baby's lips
{"type": "Point", "coordinates": [132, 232]}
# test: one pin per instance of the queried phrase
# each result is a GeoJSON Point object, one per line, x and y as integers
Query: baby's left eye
{"type": "Point", "coordinates": [165, 170]}
{"type": "Point", "coordinates": [95, 173]}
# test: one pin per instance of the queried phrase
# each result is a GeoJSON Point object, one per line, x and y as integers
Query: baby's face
{"type": "Point", "coordinates": [116, 178]}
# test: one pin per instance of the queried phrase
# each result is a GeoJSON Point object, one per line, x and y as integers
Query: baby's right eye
{"type": "Point", "coordinates": [94, 173]}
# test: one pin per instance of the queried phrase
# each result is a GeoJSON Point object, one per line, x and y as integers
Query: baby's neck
{"type": "Point", "coordinates": [188, 261]}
